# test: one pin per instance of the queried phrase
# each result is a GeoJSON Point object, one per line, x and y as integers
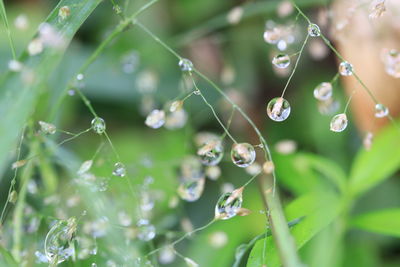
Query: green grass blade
{"type": "Point", "coordinates": [4, 17]}
{"type": "Point", "coordinates": [18, 97]}
{"type": "Point", "coordinates": [385, 222]}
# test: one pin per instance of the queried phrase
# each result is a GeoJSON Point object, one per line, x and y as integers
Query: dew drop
{"type": "Point", "coordinates": [47, 128]}
{"type": "Point", "coordinates": [63, 13]}
{"type": "Point", "coordinates": [155, 119]}
{"type": "Point", "coordinates": [197, 92]}
{"type": "Point", "coordinates": [21, 22]}
{"type": "Point", "coordinates": [278, 109]}
{"type": "Point", "coordinates": [281, 61]}
{"type": "Point", "coordinates": [243, 154]}
{"type": "Point", "coordinates": [119, 170]}
{"type": "Point", "coordinates": [130, 62]}
{"type": "Point", "coordinates": [328, 107]}
{"type": "Point", "coordinates": [166, 255]}
{"type": "Point", "coordinates": [282, 45]}
{"type": "Point", "coordinates": [272, 36]}
{"type": "Point", "coordinates": [98, 125]}
{"type": "Point", "coordinates": [313, 30]}
{"type": "Point", "coordinates": [213, 172]}
{"type": "Point", "coordinates": [235, 15]}
{"type": "Point", "coordinates": [58, 245]}
{"type": "Point", "coordinates": [391, 60]}
{"type": "Point", "coordinates": [323, 91]}
{"type": "Point", "coordinates": [176, 105]}
{"type": "Point", "coordinates": [381, 111]}
{"type": "Point", "coordinates": [176, 120]}
{"type": "Point", "coordinates": [191, 169]}
{"type": "Point", "coordinates": [339, 123]}
{"type": "Point", "coordinates": [146, 231]}
{"type": "Point", "coordinates": [218, 239]}
{"type": "Point", "coordinates": [253, 169]}
{"type": "Point", "coordinates": [186, 65]}
{"type": "Point", "coordinates": [191, 190]}
{"type": "Point", "coordinates": [345, 68]}
{"type": "Point", "coordinates": [229, 204]}
{"type": "Point", "coordinates": [211, 153]}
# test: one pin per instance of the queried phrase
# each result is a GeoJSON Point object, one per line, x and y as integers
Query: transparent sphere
{"type": "Point", "coordinates": [146, 231]}
{"type": "Point", "coordinates": [381, 111]}
{"type": "Point", "coordinates": [272, 36]}
{"type": "Point", "coordinates": [345, 68]}
{"type": "Point", "coordinates": [281, 61]}
{"type": "Point", "coordinates": [98, 125]}
{"type": "Point", "coordinates": [323, 91]}
{"type": "Point", "coordinates": [155, 119]}
{"type": "Point", "coordinates": [47, 128]}
{"type": "Point", "coordinates": [229, 204]}
{"type": "Point", "coordinates": [211, 153]}
{"type": "Point", "coordinates": [185, 64]}
{"type": "Point", "coordinates": [119, 169]}
{"type": "Point", "coordinates": [191, 190]}
{"type": "Point", "coordinates": [313, 30]}
{"type": "Point", "coordinates": [339, 123]}
{"type": "Point", "coordinates": [278, 109]}
{"type": "Point", "coordinates": [243, 154]}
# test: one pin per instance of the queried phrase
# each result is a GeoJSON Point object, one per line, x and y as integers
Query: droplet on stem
{"type": "Point", "coordinates": [381, 111]}
{"type": "Point", "coordinates": [47, 128]}
{"type": "Point", "coordinates": [229, 204]}
{"type": "Point", "coordinates": [63, 13]}
{"type": "Point", "coordinates": [339, 123]}
{"type": "Point", "coordinates": [278, 109]}
{"type": "Point", "coordinates": [345, 69]}
{"type": "Point", "coordinates": [98, 125]}
{"type": "Point", "coordinates": [119, 169]}
{"type": "Point", "coordinates": [281, 61]}
{"type": "Point", "coordinates": [243, 154]}
{"type": "Point", "coordinates": [323, 91]}
{"type": "Point", "coordinates": [186, 65]}
{"type": "Point", "coordinates": [155, 119]}
{"type": "Point", "coordinates": [313, 30]}
{"type": "Point", "coordinates": [211, 153]}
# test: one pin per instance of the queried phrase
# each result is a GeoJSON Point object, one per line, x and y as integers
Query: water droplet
{"type": "Point", "coordinates": [176, 120]}
{"type": "Point", "coordinates": [197, 92]}
{"type": "Point", "coordinates": [243, 154]}
{"type": "Point", "coordinates": [391, 60]}
{"type": "Point", "coordinates": [58, 243]}
{"type": "Point", "coordinates": [35, 47]}
{"type": "Point", "coordinates": [85, 167]}
{"type": "Point", "coordinates": [190, 263]}
{"type": "Point", "coordinates": [253, 169]}
{"type": "Point", "coordinates": [21, 22]}
{"type": "Point", "coordinates": [119, 170]}
{"type": "Point", "coordinates": [313, 30]}
{"type": "Point", "coordinates": [12, 198]}
{"type": "Point", "coordinates": [166, 255]}
{"type": "Point", "coordinates": [124, 219]}
{"type": "Point", "coordinates": [235, 15]}
{"type": "Point", "coordinates": [381, 111]}
{"type": "Point", "coordinates": [229, 204]}
{"type": "Point", "coordinates": [345, 68]}
{"type": "Point", "coordinates": [147, 82]}
{"type": "Point", "coordinates": [117, 9]}
{"type": "Point", "coordinates": [155, 119]}
{"type": "Point", "coordinates": [18, 164]}
{"type": "Point", "coordinates": [281, 61]}
{"type": "Point", "coordinates": [211, 153]}
{"type": "Point", "coordinates": [339, 123]}
{"type": "Point", "coordinates": [47, 128]}
{"type": "Point", "coordinates": [191, 190]}
{"type": "Point", "coordinates": [368, 140]}
{"type": "Point", "coordinates": [94, 265]}
{"type": "Point", "coordinates": [130, 62]}
{"type": "Point", "coordinates": [98, 125]}
{"type": "Point", "coordinates": [323, 91]}
{"type": "Point", "coordinates": [218, 239]}
{"type": "Point", "coordinates": [146, 231]}
{"type": "Point", "coordinates": [282, 45]}
{"type": "Point", "coordinates": [268, 167]}
{"type": "Point", "coordinates": [185, 65]}
{"type": "Point", "coordinates": [191, 169]}
{"type": "Point", "coordinates": [176, 105]}
{"type": "Point", "coordinates": [278, 109]}
{"type": "Point", "coordinates": [213, 172]}
{"type": "Point", "coordinates": [63, 13]}
{"type": "Point", "coordinates": [15, 65]}
{"type": "Point", "coordinates": [286, 147]}
{"type": "Point", "coordinates": [272, 36]}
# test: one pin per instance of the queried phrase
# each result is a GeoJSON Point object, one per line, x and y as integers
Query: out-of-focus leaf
{"type": "Point", "coordinates": [7, 258]}
{"type": "Point", "coordinates": [372, 167]}
{"type": "Point", "coordinates": [19, 92]}
{"type": "Point", "coordinates": [302, 232]}
{"type": "Point", "coordinates": [382, 222]}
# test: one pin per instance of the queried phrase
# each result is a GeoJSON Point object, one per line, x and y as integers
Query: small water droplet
{"type": "Point", "coordinates": [146, 231]}
{"type": "Point", "coordinates": [211, 153]}
{"type": "Point", "coordinates": [282, 45]}
{"type": "Point", "coordinates": [197, 92]}
{"type": "Point", "coordinates": [323, 91]}
{"type": "Point", "coordinates": [218, 239]}
{"type": "Point", "coordinates": [119, 169]}
{"type": "Point", "coordinates": [155, 119]}
{"type": "Point", "coordinates": [229, 204]}
{"type": "Point", "coordinates": [213, 172]}
{"type": "Point", "coordinates": [35, 47]}
{"type": "Point", "coordinates": [191, 169]}
{"type": "Point", "coordinates": [176, 105]}
{"type": "Point", "coordinates": [98, 125]}
{"type": "Point", "coordinates": [313, 30]}
{"type": "Point", "coordinates": [278, 109]}
{"type": "Point", "coordinates": [15, 65]}
{"type": "Point", "coordinates": [281, 61]}
{"type": "Point", "coordinates": [235, 15]}
{"type": "Point", "coordinates": [166, 255]}
{"type": "Point", "coordinates": [186, 65]}
{"type": "Point", "coordinates": [47, 128]}
{"type": "Point", "coordinates": [21, 22]}
{"type": "Point", "coordinates": [176, 120]}
{"type": "Point", "coordinates": [272, 36]}
{"type": "Point", "coordinates": [328, 107]}
{"type": "Point", "coordinates": [345, 68]}
{"type": "Point", "coordinates": [63, 13]}
{"type": "Point", "coordinates": [18, 164]}
{"type": "Point", "coordinates": [243, 154]}
{"type": "Point", "coordinates": [85, 167]}
{"type": "Point", "coordinates": [253, 169]}
{"type": "Point", "coordinates": [191, 190]}
{"type": "Point", "coordinates": [130, 62]}
{"type": "Point", "coordinates": [381, 111]}
{"type": "Point", "coordinates": [339, 123]}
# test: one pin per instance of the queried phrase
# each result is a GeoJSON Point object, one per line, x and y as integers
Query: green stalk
{"type": "Point", "coordinates": [10, 39]}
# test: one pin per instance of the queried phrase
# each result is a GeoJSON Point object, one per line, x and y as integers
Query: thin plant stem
{"type": "Point", "coordinates": [7, 26]}
{"type": "Point", "coordinates": [348, 101]}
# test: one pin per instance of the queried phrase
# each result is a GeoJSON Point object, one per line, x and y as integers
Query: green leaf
{"type": "Point", "coordinates": [385, 222]}
{"type": "Point", "coordinates": [19, 96]}
{"type": "Point", "coordinates": [7, 257]}
{"type": "Point", "coordinates": [374, 166]}
{"type": "Point", "coordinates": [327, 210]}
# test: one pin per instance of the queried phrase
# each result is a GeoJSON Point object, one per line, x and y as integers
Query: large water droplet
{"type": "Point", "coordinates": [229, 204]}
{"type": "Point", "coordinates": [281, 61]}
{"type": "Point", "coordinates": [155, 119]}
{"type": "Point", "coordinates": [58, 243]}
{"type": "Point", "coordinates": [339, 123]}
{"type": "Point", "coordinates": [119, 169]}
{"type": "Point", "coordinates": [323, 91]}
{"type": "Point", "coordinates": [278, 109]}
{"type": "Point", "coordinates": [381, 111]}
{"type": "Point", "coordinates": [345, 68]}
{"type": "Point", "coordinates": [211, 154]}
{"type": "Point", "coordinates": [47, 128]}
{"type": "Point", "coordinates": [185, 64]}
{"type": "Point", "coordinates": [146, 231]}
{"type": "Point", "coordinates": [98, 125]}
{"type": "Point", "coordinates": [191, 190]}
{"type": "Point", "coordinates": [243, 154]}
{"type": "Point", "coordinates": [313, 30]}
